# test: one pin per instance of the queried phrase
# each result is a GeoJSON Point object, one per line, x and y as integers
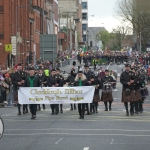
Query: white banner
{"type": "Point", "coordinates": [55, 95]}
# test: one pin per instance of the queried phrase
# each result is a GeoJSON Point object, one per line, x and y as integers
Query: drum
{"type": "Point", "coordinates": [107, 87]}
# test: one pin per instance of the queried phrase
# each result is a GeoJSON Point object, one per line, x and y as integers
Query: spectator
{"type": "Point", "coordinates": [9, 90]}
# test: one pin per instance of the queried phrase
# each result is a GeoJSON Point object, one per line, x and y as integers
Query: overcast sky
{"type": "Point", "coordinates": [103, 11]}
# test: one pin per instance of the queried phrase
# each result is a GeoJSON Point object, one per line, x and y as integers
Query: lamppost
{"type": "Point", "coordinates": [140, 42]}
{"type": "Point", "coordinates": [17, 7]}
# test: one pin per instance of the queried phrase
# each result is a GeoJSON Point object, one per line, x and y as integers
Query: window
{"type": "Point", "coordinates": [1, 9]}
{"type": "Point", "coordinates": [84, 5]}
{"type": "Point", "coordinates": [84, 38]}
{"type": "Point", "coordinates": [84, 26]}
{"type": "Point", "coordinates": [84, 16]}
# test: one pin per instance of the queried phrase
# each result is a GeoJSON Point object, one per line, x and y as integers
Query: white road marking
{"type": "Point", "coordinates": [112, 141]}
{"type": "Point", "coordinates": [86, 148]}
{"type": "Point", "coordinates": [58, 141]}
{"type": "Point", "coordinates": [124, 130]}
{"type": "Point", "coordinates": [74, 134]}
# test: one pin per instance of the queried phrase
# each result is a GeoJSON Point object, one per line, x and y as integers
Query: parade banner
{"type": "Point", "coordinates": [55, 95]}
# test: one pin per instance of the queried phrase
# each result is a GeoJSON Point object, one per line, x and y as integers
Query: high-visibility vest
{"type": "Point", "coordinates": [46, 72]}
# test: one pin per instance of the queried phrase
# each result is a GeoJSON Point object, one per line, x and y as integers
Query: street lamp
{"type": "Point", "coordinates": [17, 7]}
{"type": "Point", "coordinates": [140, 42]}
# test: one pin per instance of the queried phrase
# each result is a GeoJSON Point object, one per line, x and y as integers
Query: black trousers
{"type": "Point", "coordinates": [25, 107]}
{"type": "Point", "coordinates": [61, 106]}
{"type": "Point", "coordinates": [81, 109]}
{"type": "Point", "coordinates": [106, 106]}
{"type": "Point", "coordinates": [87, 107]}
{"type": "Point", "coordinates": [72, 106]}
{"type": "Point", "coordinates": [55, 108]}
{"type": "Point", "coordinates": [33, 108]}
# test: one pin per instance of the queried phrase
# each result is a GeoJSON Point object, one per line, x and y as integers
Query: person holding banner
{"type": "Point", "coordinates": [80, 80]}
{"type": "Point", "coordinates": [43, 79]}
{"type": "Point", "coordinates": [52, 82]}
{"type": "Point", "coordinates": [32, 81]}
{"type": "Point", "coordinates": [59, 80]}
{"type": "Point", "coordinates": [87, 74]}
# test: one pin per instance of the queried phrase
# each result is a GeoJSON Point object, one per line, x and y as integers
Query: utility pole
{"type": "Point", "coordinates": [140, 42]}
{"type": "Point", "coordinates": [59, 33]}
{"type": "Point", "coordinates": [67, 32]}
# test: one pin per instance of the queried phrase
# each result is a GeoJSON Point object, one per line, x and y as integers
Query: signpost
{"type": "Point", "coordinates": [8, 48]}
{"type": "Point", "coordinates": [13, 43]}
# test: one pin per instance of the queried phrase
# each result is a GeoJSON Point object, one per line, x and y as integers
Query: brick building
{"type": "Point", "coordinates": [23, 18]}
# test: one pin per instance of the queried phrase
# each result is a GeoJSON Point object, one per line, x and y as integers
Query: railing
{"type": "Point", "coordinates": [68, 62]}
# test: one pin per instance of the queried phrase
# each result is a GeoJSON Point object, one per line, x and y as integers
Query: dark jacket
{"type": "Point", "coordinates": [59, 80]}
{"type": "Point", "coordinates": [125, 78]}
{"type": "Point", "coordinates": [88, 75]}
{"type": "Point", "coordinates": [138, 82]}
{"type": "Point", "coordinates": [42, 79]}
{"type": "Point", "coordinates": [69, 80]}
{"type": "Point", "coordinates": [18, 77]}
{"type": "Point", "coordinates": [107, 79]}
{"type": "Point", "coordinates": [96, 82]}
{"type": "Point", "coordinates": [51, 81]}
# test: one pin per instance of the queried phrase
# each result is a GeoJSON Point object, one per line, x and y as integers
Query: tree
{"type": "Point", "coordinates": [64, 29]}
{"type": "Point", "coordinates": [104, 36]}
{"type": "Point", "coordinates": [137, 13]}
{"type": "Point", "coordinates": [117, 36]}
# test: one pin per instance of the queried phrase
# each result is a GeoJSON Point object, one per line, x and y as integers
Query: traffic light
{"type": "Point", "coordinates": [30, 57]}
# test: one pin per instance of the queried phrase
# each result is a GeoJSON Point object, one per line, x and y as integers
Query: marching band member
{"type": "Point", "coordinates": [32, 81]}
{"type": "Point", "coordinates": [128, 93]}
{"type": "Point", "coordinates": [137, 81]}
{"type": "Point", "coordinates": [51, 82]}
{"type": "Point", "coordinates": [42, 77]}
{"type": "Point", "coordinates": [107, 95]}
{"type": "Point", "coordinates": [18, 81]}
{"type": "Point", "coordinates": [95, 82]}
{"type": "Point", "coordinates": [69, 82]}
{"type": "Point", "coordinates": [81, 80]}
{"type": "Point", "coordinates": [59, 80]}
{"type": "Point", "coordinates": [87, 74]}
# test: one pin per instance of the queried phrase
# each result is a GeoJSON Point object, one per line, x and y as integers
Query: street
{"type": "Point", "coordinates": [111, 130]}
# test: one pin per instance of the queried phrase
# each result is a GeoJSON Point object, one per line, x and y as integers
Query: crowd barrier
{"type": "Point", "coordinates": [68, 62]}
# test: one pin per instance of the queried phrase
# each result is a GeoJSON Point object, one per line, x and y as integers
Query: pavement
{"type": "Point", "coordinates": [111, 130]}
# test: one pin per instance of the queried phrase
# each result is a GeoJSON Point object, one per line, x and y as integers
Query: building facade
{"type": "Point", "coordinates": [84, 19]}
{"type": "Point", "coordinates": [25, 20]}
{"type": "Point", "coordinates": [70, 15]}
{"type": "Point", "coordinates": [93, 40]}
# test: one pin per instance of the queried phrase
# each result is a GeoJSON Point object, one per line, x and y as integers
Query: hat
{"type": "Point", "coordinates": [80, 71]}
{"type": "Point", "coordinates": [31, 68]}
{"type": "Point", "coordinates": [127, 65]}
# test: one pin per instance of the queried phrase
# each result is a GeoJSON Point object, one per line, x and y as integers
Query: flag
{"type": "Point", "coordinates": [84, 49]}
